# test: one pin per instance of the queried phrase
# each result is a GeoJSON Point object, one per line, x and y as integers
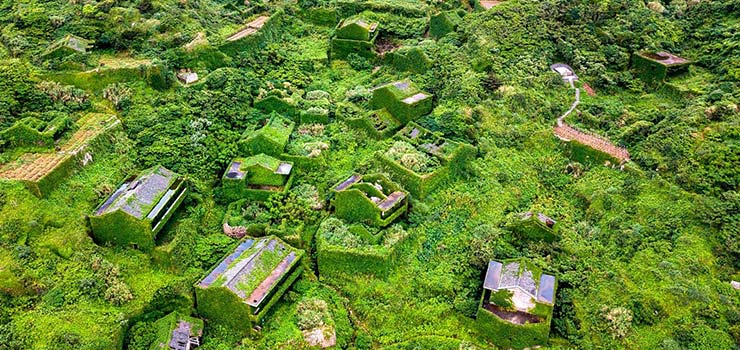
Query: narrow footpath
{"type": "Point", "coordinates": [566, 132]}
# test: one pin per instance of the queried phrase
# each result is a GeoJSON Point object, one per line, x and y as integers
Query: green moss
{"type": "Point", "coordinates": [343, 250]}
{"type": "Point", "coordinates": [508, 335]}
{"type": "Point", "coordinates": [501, 298]}
{"type": "Point", "coordinates": [355, 203]}
{"type": "Point", "coordinates": [393, 97]}
{"type": "Point", "coordinates": [443, 22]}
{"type": "Point", "coordinates": [412, 59]}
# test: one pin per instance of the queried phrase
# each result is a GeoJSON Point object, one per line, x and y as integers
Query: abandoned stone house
{"type": "Point", "coordinates": [353, 36]}
{"type": "Point", "coordinates": [139, 208]}
{"type": "Point", "coordinates": [451, 157]}
{"type": "Point", "coordinates": [187, 77]}
{"type": "Point", "coordinates": [240, 290]}
{"type": "Point", "coordinates": [257, 177]}
{"type": "Point", "coordinates": [536, 226]}
{"type": "Point", "coordinates": [68, 45]}
{"type": "Point", "coordinates": [270, 139]}
{"type": "Point", "coordinates": [371, 199]}
{"type": "Point", "coordinates": [403, 100]}
{"type": "Point", "coordinates": [517, 303]}
{"type": "Point", "coordinates": [659, 66]}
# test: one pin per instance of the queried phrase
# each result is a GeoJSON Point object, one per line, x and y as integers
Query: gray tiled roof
{"type": "Point", "coordinates": [138, 196]}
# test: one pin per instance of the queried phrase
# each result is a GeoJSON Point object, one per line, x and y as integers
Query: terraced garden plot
{"type": "Point", "coordinates": [250, 28]}
{"type": "Point", "coordinates": [568, 133]}
{"type": "Point", "coordinates": [33, 167]}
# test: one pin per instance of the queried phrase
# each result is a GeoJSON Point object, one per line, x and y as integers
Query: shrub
{"type": "Point", "coordinates": [408, 156]}
{"type": "Point", "coordinates": [312, 313]}
{"type": "Point", "coordinates": [118, 293]}
{"type": "Point", "coordinates": [619, 320]}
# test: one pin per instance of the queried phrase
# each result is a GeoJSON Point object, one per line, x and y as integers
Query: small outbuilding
{"type": "Point", "coordinates": [242, 288]}
{"type": "Point", "coordinates": [403, 100]}
{"type": "Point", "coordinates": [177, 332]}
{"type": "Point", "coordinates": [187, 77]}
{"type": "Point", "coordinates": [270, 139]}
{"type": "Point", "coordinates": [353, 36]}
{"type": "Point", "coordinates": [68, 45]}
{"type": "Point", "coordinates": [537, 226]}
{"type": "Point", "coordinates": [565, 71]}
{"type": "Point", "coordinates": [517, 304]}
{"type": "Point", "coordinates": [659, 66]}
{"type": "Point", "coordinates": [370, 199]}
{"type": "Point", "coordinates": [444, 22]}
{"type": "Point", "coordinates": [257, 177]}
{"type": "Point", "coordinates": [139, 208]}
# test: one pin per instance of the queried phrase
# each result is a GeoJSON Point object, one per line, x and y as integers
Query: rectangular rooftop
{"type": "Point", "coordinates": [136, 196]}
{"type": "Point", "coordinates": [254, 269]}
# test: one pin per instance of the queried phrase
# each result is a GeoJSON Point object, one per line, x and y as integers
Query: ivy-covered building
{"type": "Point", "coordinates": [420, 159]}
{"type": "Point", "coordinates": [317, 106]}
{"type": "Point", "coordinates": [537, 226]}
{"type": "Point", "coordinates": [41, 173]}
{"type": "Point", "coordinates": [31, 131]}
{"type": "Point", "coordinates": [403, 100]}
{"type": "Point", "coordinates": [379, 124]}
{"type": "Point", "coordinates": [444, 22]}
{"type": "Point", "coordinates": [256, 177]}
{"type": "Point", "coordinates": [517, 304]}
{"type": "Point", "coordinates": [177, 332]}
{"type": "Point", "coordinates": [353, 36]}
{"type": "Point", "coordinates": [240, 290]}
{"type": "Point", "coordinates": [278, 104]}
{"type": "Point", "coordinates": [370, 199]}
{"type": "Point", "coordinates": [258, 33]}
{"type": "Point", "coordinates": [269, 139]}
{"type": "Point", "coordinates": [346, 249]}
{"type": "Point", "coordinates": [68, 45]}
{"type": "Point", "coordinates": [411, 59]}
{"type": "Point", "coordinates": [659, 66]}
{"type": "Point", "coordinates": [140, 207]}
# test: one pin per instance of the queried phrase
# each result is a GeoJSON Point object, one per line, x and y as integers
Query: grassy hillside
{"type": "Point", "coordinates": [646, 252]}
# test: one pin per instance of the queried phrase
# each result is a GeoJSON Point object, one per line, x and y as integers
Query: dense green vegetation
{"type": "Point", "coordinates": [645, 252]}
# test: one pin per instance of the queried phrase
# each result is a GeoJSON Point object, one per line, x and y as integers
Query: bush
{"type": "Point", "coordinates": [408, 156]}
{"type": "Point", "coordinates": [312, 313]}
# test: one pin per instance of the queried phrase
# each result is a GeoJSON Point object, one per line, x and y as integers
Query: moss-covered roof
{"type": "Point", "coordinates": [262, 160]}
{"type": "Point", "coordinates": [176, 328]}
{"type": "Point", "coordinates": [360, 22]}
{"type": "Point", "coordinates": [255, 268]}
{"type": "Point", "coordinates": [277, 129]}
{"type": "Point", "coordinates": [138, 196]}
{"type": "Point", "coordinates": [71, 42]}
{"type": "Point", "coordinates": [664, 58]}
